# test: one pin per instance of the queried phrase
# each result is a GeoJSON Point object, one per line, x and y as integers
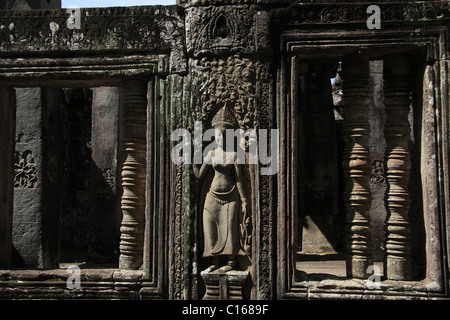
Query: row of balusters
{"type": "Point", "coordinates": [397, 73]}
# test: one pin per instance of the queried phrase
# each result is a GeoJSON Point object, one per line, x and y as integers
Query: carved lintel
{"type": "Point", "coordinates": [224, 286]}
{"type": "Point", "coordinates": [356, 165]}
{"type": "Point", "coordinates": [397, 91]}
{"type": "Point", "coordinates": [218, 30]}
{"type": "Point", "coordinates": [152, 27]}
{"type": "Point", "coordinates": [133, 175]}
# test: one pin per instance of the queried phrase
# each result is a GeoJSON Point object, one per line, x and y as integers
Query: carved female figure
{"type": "Point", "coordinates": [225, 206]}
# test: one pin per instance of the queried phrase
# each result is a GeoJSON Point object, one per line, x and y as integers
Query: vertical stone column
{"type": "Point", "coordinates": [397, 95]}
{"type": "Point", "coordinates": [133, 174]}
{"type": "Point", "coordinates": [377, 149]}
{"type": "Point", "coordinates": [356, 164]}
{"type": "Point", "coordinates": [104, 209]}
{"type": "Point", "coordinates": [28, 187]}
{"type": "Point", "coordinates": [7, 124]}
{"type": "Point", "coordinates": [35, 234]}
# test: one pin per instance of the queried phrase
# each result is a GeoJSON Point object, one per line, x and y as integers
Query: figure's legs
{"type": "Point", "coordinates": [209, 231]}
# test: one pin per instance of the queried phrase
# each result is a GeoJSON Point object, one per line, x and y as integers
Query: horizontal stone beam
{"type": "Point", "coordinates": [392, 13]}
{"type": "Point", "coordinates": [90, 31]}
{"type": "Point", "coordinates": [86, 71]}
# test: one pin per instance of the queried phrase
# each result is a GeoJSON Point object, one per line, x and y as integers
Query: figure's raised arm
{"type": "Point", "coordinates": [201, 170]}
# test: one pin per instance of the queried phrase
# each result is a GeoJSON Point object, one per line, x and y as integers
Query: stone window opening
{"type": "Point", "coordinates": [318, 177]}
{"type": "Point", "coordinates": [68, 211]}
{"type": "Point", "coordinates": [324, 196]}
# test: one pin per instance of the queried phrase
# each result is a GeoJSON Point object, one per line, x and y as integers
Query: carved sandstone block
{"type": "Point", "coordinates": [133, 175]}
{"type": "Point", "coordinates": [356, 165]}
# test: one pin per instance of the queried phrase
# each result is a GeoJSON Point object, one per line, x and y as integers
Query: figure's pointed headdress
{"type": "Point", "coordinates": [224, 117]}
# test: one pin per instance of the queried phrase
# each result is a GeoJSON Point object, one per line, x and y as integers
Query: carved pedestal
{"type": "Point", "coordinates": [224, 286]}
{"type": "Point", "coordinates": [356, 165]}
{"type": "Point", "coordinates": [397, 90]}
{"type": "Point", "coordinates": [133, 175]}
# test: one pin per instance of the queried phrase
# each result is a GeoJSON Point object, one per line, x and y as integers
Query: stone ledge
{"type": "Point", "coordinates": [359, 289]}
{"type": "Point", "coordinates": [94, 284]}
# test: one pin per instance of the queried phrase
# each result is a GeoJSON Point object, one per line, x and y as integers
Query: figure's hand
{"type": "Point", "coordinates": [244, 207]}
{"type": "Point", "coordinates": [197, 156]}
{"type": "Point", "coordinates": [208, 158]}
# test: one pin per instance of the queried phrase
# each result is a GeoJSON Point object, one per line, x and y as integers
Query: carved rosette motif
{"type": "Point", "coordinates": [325, 13]}
{"type": "Point", "coordinates": [133, 175]}
{"type": "Point", "coordinates": [356, 165]}
{"type": "Point", "coordinates": [397, 91]}
{"type": "Point", "coordinates": [25, 171]}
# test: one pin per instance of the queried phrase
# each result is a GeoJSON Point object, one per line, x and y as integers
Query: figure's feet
{"type": "Point", "coordinates": [211, 268]}
{"type": "Point", "coordinates": [225, 269]}
{"type": "Point", "coordinates": [229, 266]}
{"type": "Point", "coordinates": [215, 265]}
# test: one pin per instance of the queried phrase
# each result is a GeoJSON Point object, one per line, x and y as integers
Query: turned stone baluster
{"type": "Point", "coordinates": [397, 91]}
{"type": "Point", "coordinates": [133, 175]}
{"type": "Point", "coordinates": [356, 165]}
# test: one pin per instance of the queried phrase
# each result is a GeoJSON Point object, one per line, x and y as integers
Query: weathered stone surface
{"type": "Point", "coordinates": [356, 165]}
{"type": "Point", "coordinates": [104, 205]}
{"type": "Point", "coordinates": [137, 30]}
{"type": "Point", "coordinates": [199, 57]}
{"type": "Point", "coordinates": [29, 4]}
{"type": "Point", "coordinates": [377, 145]}
{"type": "Point", "coordinates": [215, 30]}
{"type": "Point", "coordinates": [35, 243]}
{"type": "Point", "coordinates": [392, 13]}
{"type": "Point", "coordinates": [318, 235]}
{"type": "Point", "coordinates": [133, 175]}
{"type": "Point", "coordinates": [225, 286]}
{"type": "Point", "coordinates": [397, 93]}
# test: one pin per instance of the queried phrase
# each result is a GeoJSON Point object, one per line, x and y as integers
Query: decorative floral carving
{"type": "Point", "coordinates": [108, 177]}
{"type": "Point", "coordinates": [226, 81]}
{"type": "Point", "coordinates": [264, 119]}
{"type": "Point", "coordinates": [345, 14]}
{"type": "Point", "coordinates": [25, 171]}
{"type": "Point", "coordinates": [236, 26]}
{"type": "Point", "coordinates": [378, 174]}
{"type": "Point", "coordinates": [313, 13]}
{"type": "Point", "coordinates": [328, 15]}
